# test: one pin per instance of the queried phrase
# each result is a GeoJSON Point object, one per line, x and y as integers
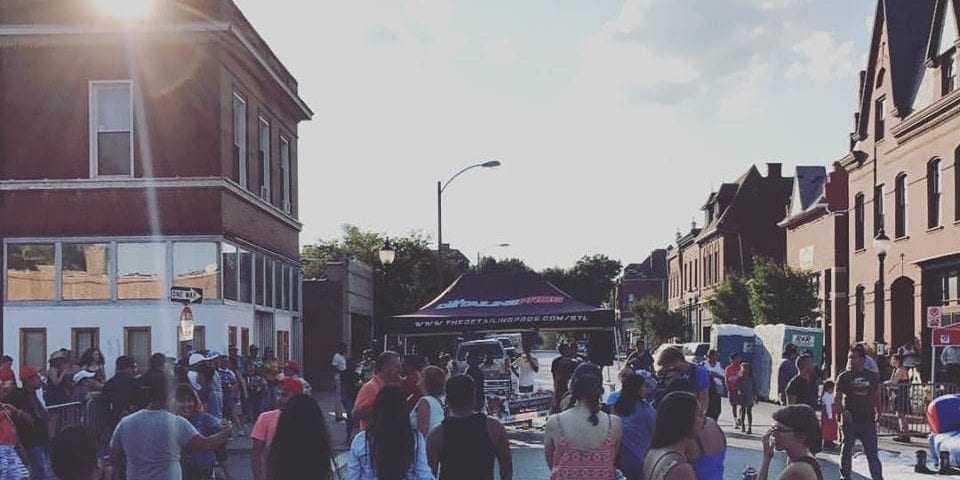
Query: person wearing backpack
{"type": "Point", "coordinates": [677, 374]}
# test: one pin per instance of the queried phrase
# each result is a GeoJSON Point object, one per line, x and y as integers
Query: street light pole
{"type": "Point", "coordinates": [881, 243]}
{"type": "Point", "coordinates": [441, 187]}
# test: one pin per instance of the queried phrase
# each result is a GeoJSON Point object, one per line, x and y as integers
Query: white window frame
{"type": "Point", "coordinates": [285, 167]}
{"type": "Point", "coordinates": [265, 180]}
{"type": "Point", "coordinates": [94, 86]}
{"type": "Point", "coordinates": [242, 145]}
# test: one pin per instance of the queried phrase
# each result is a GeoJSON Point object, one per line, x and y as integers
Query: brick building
{"type": "Point", "coordinates": [140, 154]}
{"type": "Point", "coordinates": [904, 175]}
{"type": "Point", "coordinates": [639, 280]}
{"type": "Point", "coordinates": [740, 222]}
{"type": "Point", "coordinates": [817, 241]}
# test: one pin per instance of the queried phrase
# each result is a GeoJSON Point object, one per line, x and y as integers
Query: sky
{"type": "Point", "coordinates": [613, 120]}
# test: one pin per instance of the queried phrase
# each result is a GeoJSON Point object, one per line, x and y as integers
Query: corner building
{"type": "Point", "coordinates": [137, 155]}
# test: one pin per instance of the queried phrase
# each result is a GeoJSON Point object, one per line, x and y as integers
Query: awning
{"type": "Point", "coordinates": [500, 302]}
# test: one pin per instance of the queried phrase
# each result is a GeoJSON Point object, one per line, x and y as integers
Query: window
{"type": "Point", "coordinates": [860, 312]}
{"type": "Point", "coordinates": [84, 338]}
{"type": "Point", "coordinates": [950, 293]}
{"type": "Point", "coordinates": [934, 190]}
{"type": "Point", "coordinates": [287, 174]}
{"type": "Point", "coordinates": [33, 347]}
{"type": "Point", "coordinates": [195, 265]}
{"type": "Point", "coordinates": [297, 280]}
{"type": "Point", "coordinates": [231, 270]}
{"type": "Point", "coordinates": [278, 285]}
{"type": "Point", "coordinates": [283, 345]}
{"type": "Point", "coordinates": [264, 153]}
{"type": "Point", "coordinates": [199, 341]}
{"type": "Point", "coordinates": [231, 337]}
{"type": "Point", "coordinates": [268, 281]}
{"type": "Point", "coordinates": [111, 128]}
{"type": "Point", "coordinates": [136, 344]}
{"type": "Point", "coordinates": [141, 270]}
{"type": "Point", "coordinates": [956, 185]}
{"type": "Point", "coordinates": [86, 273]}
{"type": "Point", "coordinates": [259, 261]}
{"type": "Point", "coordinates": [240, 138]}
{"type": "Point", "coordinates": [245, 340]}
{"type": "Point", "coordinates": [880, 118]}
{"type": "Point", "coordinates": [246, 275]}
{"type": "Point", "coordinates": [858, 222]}
{"type": "Point", "coordinates": [878, 209]}
{"type": "Point", "coordinates": [900, 207]}
{"type": "Point", "coordinates": [31, 270]}
{"type": "Point", "coordinates": [949, 70]}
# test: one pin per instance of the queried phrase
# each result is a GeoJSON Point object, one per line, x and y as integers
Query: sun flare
{"type": "Point", "coordinates": [129, 9]}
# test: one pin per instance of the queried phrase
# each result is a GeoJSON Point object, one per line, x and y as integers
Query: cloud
{"type": "Point", "coordinates": [501, 51]}
{"type": "Point", "coordinates": [776, 4]}
{"type": "Point", "coordinates": [824, 58]}
{"type": "Point", "coordinates": [745, 89]}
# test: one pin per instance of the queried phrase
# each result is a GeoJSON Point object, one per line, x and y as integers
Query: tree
{"type": "Point", "coordinates": [355, 243]}
{"type": "Point", "coordinates": [507, 265]}
{"type": "Point", "coordinates": [780, 294]}
{"type": "Point", "coordinates": [730, 302]}
{"type": "Point", "coordinates": [591, 280]}
{"type": "Point", "coordinates": [656, 321]}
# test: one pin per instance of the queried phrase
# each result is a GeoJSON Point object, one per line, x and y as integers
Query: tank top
{"type": "Point", "coordinates": [467, 451]}
{"type": "Point", "coordinates": [813, 463]}
{"type": "Point", "coordinates": [710, 465]}
{"type": "Point", "coordinates": [435, 416]}
{"type": "Point", "coordinates": [572, 464]}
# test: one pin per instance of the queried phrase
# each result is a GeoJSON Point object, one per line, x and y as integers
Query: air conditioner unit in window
{"type": "Point", "coordinates": [265, 193]}
{"type": "Point", "coordinates": [286, 206]}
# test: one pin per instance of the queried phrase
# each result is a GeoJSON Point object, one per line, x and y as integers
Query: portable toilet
{"type": "Point", "coordinates": [728, 339]}
{"type": "Point", "coordinates": [768, 352]}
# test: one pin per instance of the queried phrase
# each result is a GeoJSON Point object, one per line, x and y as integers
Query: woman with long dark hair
{"type": "Point", "coordinates": [389, 449]}
{"type": "Point", "coordinates": [92, 360]}
{"type": "Point", "coordinates": [796, 432]}
{"type": "Point", "coordinates": [582, 441]}
{"type": "Point", "coordinates": [638, 418]}
{"type": "Point", "coordinates": [679, 422]}
{"type": "Point", "coordinates": [301, 446]}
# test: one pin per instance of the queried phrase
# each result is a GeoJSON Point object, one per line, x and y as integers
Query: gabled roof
{"type": "Point", "coordinates": [908, 25]}
{"type": "Point", "coordinates": [939, 23]}
{"type": "Point", "coordinates": [734, 190]}
{"type": "Point", "coordinates": [809, 184]}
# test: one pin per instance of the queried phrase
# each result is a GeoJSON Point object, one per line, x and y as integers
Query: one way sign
{"type": "Point", "coordinates": [186, 294]}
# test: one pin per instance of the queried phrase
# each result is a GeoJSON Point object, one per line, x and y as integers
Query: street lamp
{"type": "Point", "coordinates": [484, 249]}
{"type": "Point", "coordinates": [441, 187]}
{"type": "Point", "coordinates": [881, 243]}
{"type": "Point", "coordinates": [387, 253]}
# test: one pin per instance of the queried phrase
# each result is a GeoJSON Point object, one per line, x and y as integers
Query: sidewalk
{"type": "Point", "coordinates": [897, 458]}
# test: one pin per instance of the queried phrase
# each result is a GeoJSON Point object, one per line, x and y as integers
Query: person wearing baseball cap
{"type": "Point", "coordinates": [638, 418]}
{"type": "Point", "coordinates": [291, 369]}
{"type": "Point", "coordinates": [266, 427]}
{"type": "Point", "coordinates": [35, 438]}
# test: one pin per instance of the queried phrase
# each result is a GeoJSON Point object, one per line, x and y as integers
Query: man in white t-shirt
{"type": "Point", "coordinates": [526, 367]}
{"type": "Point", "coordinates": [339, 364]}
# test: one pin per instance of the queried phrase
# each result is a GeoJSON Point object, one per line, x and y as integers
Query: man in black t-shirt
{"type": "Point", "coordinates": [858, 392]}
{"type": "Point", "coordinates": [802, 388]}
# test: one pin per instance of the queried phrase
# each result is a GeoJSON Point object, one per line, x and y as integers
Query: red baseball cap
{"type": "Point", "coordinates": [6, 375]}
{"type": "Point", "coordinates": [292, 365]}
{"type": "Point", "coordinates": [28, 371]}
{"type": "Point", "coordinates": [292, 385]}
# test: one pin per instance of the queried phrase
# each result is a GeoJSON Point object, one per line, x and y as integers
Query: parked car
{"type": "Point", "coordinates": [508, 347]}
{"type": "Point", "coordinates": [488, 346]}
{"type": "Point", "coordinates": [696, 352]}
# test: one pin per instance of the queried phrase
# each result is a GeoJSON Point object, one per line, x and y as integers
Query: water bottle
{"type": "Point", "coordinates": [749, 473]}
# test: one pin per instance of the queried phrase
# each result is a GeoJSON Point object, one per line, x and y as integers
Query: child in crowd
{"type": "Point", "coordinates": [747, 397]}
{"type": "Point", "coordinates": [828, 417]}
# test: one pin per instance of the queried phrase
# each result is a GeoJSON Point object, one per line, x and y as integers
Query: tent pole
{"type": "Point", "coordinates": [385, 338]}
{"type": "Point", "coordinates": [933, 364]}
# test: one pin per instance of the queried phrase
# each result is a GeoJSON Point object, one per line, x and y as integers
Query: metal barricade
{"type": "Point", "coordinates": [63, 416]}
{"type": "Point", "coordinates": [910, 400]}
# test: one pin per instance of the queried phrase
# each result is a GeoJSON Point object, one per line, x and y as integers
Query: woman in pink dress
{"type": "Point", "coordinates": [582, 442]}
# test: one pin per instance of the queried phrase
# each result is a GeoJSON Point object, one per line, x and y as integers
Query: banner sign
{"type": "Point", "coordinates": [185, 329]}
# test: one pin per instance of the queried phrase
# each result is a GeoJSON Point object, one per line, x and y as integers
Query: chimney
{"type": "Point", "coordinates": [774, 170]}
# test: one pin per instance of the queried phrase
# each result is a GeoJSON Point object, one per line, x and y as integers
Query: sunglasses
{"type": "Point", "coordinates": [779, 429]}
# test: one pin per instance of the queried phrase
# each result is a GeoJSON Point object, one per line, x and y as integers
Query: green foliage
{"type": "Point", "coordinates": [730, 302]}
{"type": "Point", "coordinates": [591, 280]}
{"type": "Point", "coordinates": [656, 321]}
{"type": "Point", "coordinates": [354, 243]}
{"type": "Point", "coordinates": [507, 265]}
{"type": "Point", "coordinates": [780, 294]}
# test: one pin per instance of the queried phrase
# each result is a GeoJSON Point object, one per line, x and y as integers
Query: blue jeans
{"type": "Point", "coordinates": [867, 434]}
{"type": "Point", "coordinates": [39, 464]}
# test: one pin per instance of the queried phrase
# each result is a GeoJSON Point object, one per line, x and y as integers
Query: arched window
{"type": "Point", "coordinates": [858, 222]}
{"type": "Point", "coordinates": [934, 190]}
{"type": "Point", "coordinates": [900, 207]}
{"type": "Point", "coordinates": [860, 312]}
